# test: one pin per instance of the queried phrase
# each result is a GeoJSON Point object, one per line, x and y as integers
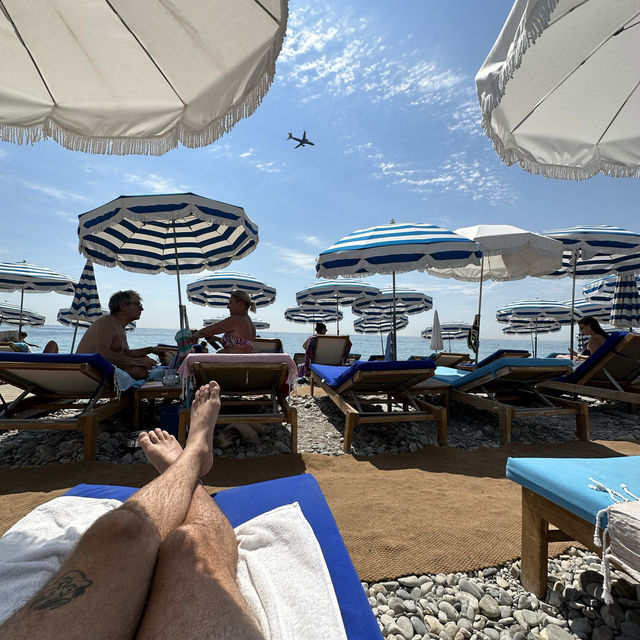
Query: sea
{"type": "Point", "coordinates": [366, 345]}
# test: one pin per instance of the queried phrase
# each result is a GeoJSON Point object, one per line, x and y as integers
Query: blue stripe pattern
{"type": "Point", "coordinates": [407, 301]}
{"type": "Point", "coordinates": [396, 248]}
{"type": "Point", "coordinates": [143, 233]}
{"type": "Point", "coordinates": [598, 310]}
{"type": "Point", "coordinates": [305, 315]}
{"type": "Point", "coordinates": [86, 301]}
{"type": "Point", "coordinates": [449, 331]}
{"type": "Point", "coordinates": [536, 311]}
{"type": "Point", "coordinates": [602, 290]}
{"type": "Point", "coordinates": [10, 314]}
{"type": "Point", "coordinates": [365, 324]}
{"type": "Point", "coordinates": [214, 290]}
{"type": "Point", "coordinates": [22, 276]}
{"type": "Point", "coordinates": [336, 291]}
{"type": "Point", "coordinates": [625, 308]}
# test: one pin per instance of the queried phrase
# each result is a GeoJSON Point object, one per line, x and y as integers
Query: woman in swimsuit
{"type": "Point", "coordinates": [238, 330]}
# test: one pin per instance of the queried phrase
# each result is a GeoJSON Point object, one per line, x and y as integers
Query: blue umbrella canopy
{"type": "Point", "coordinates": [214, 290]}
{"type": "Point", "coordinates": [306, 315]}
{"type": "Point", "coordinates": [13, 314]}
{"type": "Point", "coordinates": [175, 233]}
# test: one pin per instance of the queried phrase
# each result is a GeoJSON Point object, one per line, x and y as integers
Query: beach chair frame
{"type": "Point", "coordinates": [52, 387]}
{"type": "Point", "coordinates": [511, 392]}
{"type": "Point", "coordinates": [267, 345]}
{"type": "Point", "coordinates": [614, 377]}
{"type": "Point", "coordinates": [356, 397]}
{"type": "Point", "coordinates": [259, 386]}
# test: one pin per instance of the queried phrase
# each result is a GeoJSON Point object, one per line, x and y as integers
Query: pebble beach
{"type": "Point", "coordinates": [489, 604]}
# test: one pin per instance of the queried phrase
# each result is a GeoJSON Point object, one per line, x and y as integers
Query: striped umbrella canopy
{"type": "Point", "coordinates": [258, 324]}
{"type": "Point", "coordinates": [68, 318]}
{"type": "Point", "coordinates": [306, 315]}
{"type": "Point", "coordinates": [533, 329]}
{"type": "Point", "coordinates": [625, 305]}
{"type": "Point", "coordinates": [22, 276]}
{"type": "Point", "coordinates": [396, 248]}
{"type": "Point", "coordinates": [450, 331]}
{"type": "Point", "coordinates": [175, 233]}
{"type": "Point", "coordinates": [365, 324]}
{"type": "Point", "coordinates": [13, 314]}
{"type": "Point", "coordinates": [406, 301]}
{"type": "Point", "coordinates": [537, 311]}
{"type": "Point", "coordinates": [602, 289]}
{"type": "Point", "coordinates": [336, 292]}
{"type": "Point", "coordinates": [214, 290]}
{"type": "Point", "coordinates": [598, 310]}
{"type": "Point", "coordinates": [592, 251]}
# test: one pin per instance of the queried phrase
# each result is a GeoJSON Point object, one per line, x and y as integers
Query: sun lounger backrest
{"type": "Point", "coordinates": [449, 359]}
{"type": "Point", "coordinates": [267, 345]}
{"type": "Point", "coordinates": [242, 378]}
{"type": "Point", "coordinates": [504, 353]}
{"type": "Point", "coordinates": [331, 350]}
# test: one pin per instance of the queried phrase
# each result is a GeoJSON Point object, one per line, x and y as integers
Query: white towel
{"type": "Point", "coordinates": [281, 569]}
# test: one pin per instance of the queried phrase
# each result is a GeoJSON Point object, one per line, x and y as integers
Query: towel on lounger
{"type": "Point", "coordinates": [281, 569]}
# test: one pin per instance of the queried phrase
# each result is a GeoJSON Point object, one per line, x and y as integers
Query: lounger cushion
{"type": "Point", "coordinates": [243, 503]}
{"type": "Point", "coordinates": [496, 355]}
{"type": "Point", "coordinates": [94, 359]}
{"type": "Point", "coordinates": [594, 359]}
{"type": "Point", "coordinates": [458, 378]}
{"type": "Point", "coordinates": [336, 376]}
{"type": "Point", "coordinates": [565, 481]}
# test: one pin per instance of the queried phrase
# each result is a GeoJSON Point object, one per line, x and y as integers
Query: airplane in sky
{"type": "Point", "coordinates": [301, 141]}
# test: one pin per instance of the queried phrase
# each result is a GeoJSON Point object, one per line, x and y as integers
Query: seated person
{"type": "Point", "coordinates": [597, 335]}
{"type": "Point", "coordinates": [238, 330]}
{"type": "Point", "coordinates": [319, 330]}
{"type": "Point", "coordinates": [107, 336]}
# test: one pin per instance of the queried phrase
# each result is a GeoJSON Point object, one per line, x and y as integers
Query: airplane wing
{"type": "Point", "coordinates": [298, 145]}
{"type": "Point", "coordinates": [304, 135]}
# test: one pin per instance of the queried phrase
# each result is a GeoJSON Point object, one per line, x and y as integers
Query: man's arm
{"type": "Point", "coordinates": [124, 358]}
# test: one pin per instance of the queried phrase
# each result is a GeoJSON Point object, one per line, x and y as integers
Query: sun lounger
{"type": "Point", "coordinates": [241, 504]}
{"type": "Point", "coordinates": [496, 355]}
{"type": "Point", "coordinates": [254, 388]}
{"type": "Point", "coordinates": [53, 382]}
{"type": "Point", "coordinates": [507, 387]}
{"type": "Point", "coordinates": [356, 389]}
{"type": "Point", "coordinates": [555, 491]}
{"type": "Point", "coordinates": [449, 359]}
{"type": "Point", "coordinates": [267, 345]}
{"type": "Point", "coordinates": [9, 347]}
{"type": "Point", "coordinates": [610, 373]}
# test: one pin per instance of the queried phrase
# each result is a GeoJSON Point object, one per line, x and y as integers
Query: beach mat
{"type": "Point", "coordinates": [435, 510]}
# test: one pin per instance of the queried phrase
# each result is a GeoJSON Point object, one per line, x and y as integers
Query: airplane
{"type": "Point", "coordinates": [301, 141]}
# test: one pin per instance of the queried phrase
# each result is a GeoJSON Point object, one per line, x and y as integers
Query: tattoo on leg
{"type": "Point", "coordinates": [67, 588]}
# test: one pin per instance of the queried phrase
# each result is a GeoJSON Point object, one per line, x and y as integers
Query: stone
{"type": "Point", "coordinates": [418, 626]}
{"type": "Point", "coordinates": [630, 629]}
{"type": "Point", "coordinates": [554, 632]}
{"type": "Point", "coordinates": [470, 587]}
{"type": "Point", "coordinates": [449, 611]}
{"type": "Point", "coordinates": [403, 627]}
{"type": "Point", "coordinates": [489, 606]}
{"type": "Point", "coordinates": [433, 624]}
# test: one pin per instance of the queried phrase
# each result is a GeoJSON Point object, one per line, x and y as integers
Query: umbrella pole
{"type": "Point", "coordinates": [573, 303]}
{"type": "Point", "coordinates": [479, 307]}
{"type": "Point", "coordinates": [381, 342]}
{"type": "Point", "coordinates": [337, 318]}
{"type": "Point", "coordinates": [175, 249]}
{"type": "Point", "coordinates": [394, 344]}
{"type": "Point", "coordinates": [20, 318]}
{"type": "Point", "coordinates": [75, 331]}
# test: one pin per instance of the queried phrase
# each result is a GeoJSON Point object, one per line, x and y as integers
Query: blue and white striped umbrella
{"type": "Point", "coordinates": [22, 276]}
{"type": "Point", "coordinates": [175, 233]}
{"type": "Point", "coordinates": [214, 290]}
{"type": "Point", "coordinates": [537, 311]}
{"type": "Point", "coordinates": [533, 329]}
{"type": "Point", "coordinates": [13, 314]}
{"type": "Point", "coordinates": [306, 315]}
{"type": "Point", "coordinates": [364, 324]}
{"type": "Point", "coordinates": [449, 331]}
{"type": "Point", "coordinates": [258, 324]}
{"type": "Point", "coordinates": [407, 301]}
{"type": "Point", "coordinates": [625, 307]}
{"type": "Point", "coordinates": [68, 318]}
{"type": "Point", "coordinates": [602, 289]}
{"type": "Point", "coordinates": [598, 310]}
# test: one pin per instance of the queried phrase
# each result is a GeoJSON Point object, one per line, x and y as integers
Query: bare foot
{"type": "Point", "coordinates": [204, 413]}
{"type": "Point", "coordinates": [160, 447]}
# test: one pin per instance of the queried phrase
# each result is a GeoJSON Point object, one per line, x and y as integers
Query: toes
{"type": "Point", "coordinates": [143, 438]}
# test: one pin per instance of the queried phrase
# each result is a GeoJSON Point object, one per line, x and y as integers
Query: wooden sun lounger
{"type": "Point", "coordinates": [449, 359]}
{"type": "Point", "coordinates": [55, 385]}
{"type": "Point", "coordinates": [356, 396]}
{"type": "Point", "coordinates": [614, 377]}
{"type": "Point", "coordinates": [507, 388]}
{"type": "Point", "coordinates": [260, 388]}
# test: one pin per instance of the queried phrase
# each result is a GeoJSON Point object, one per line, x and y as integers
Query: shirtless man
{"type": "Point", "coordinates": [107, 336]}
{"type": "Point", "coordinates": [162, 565]}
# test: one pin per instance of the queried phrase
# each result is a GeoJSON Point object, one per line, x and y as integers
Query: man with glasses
{"type": "Point", "coordinates": [107, 336]}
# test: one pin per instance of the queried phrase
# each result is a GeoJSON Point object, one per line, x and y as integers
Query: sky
{"type": "Point", "coordinates": [386, 92]}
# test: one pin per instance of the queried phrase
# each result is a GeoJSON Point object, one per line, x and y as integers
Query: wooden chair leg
{"type": "Point", "coordinates": [350, 422]}
{"type": "Point", "coordinates": [184, 417]}
{"type": "Point", "coordinates": [583, 428]}
{"type": "Point", "coordinates": [441, 423]}
{"type": "Point", "coordinates": [293, 418]}
{"type": "Point", "coordinates": [89, 425]}
{"type": "Point", "coordinates": [535, 548]}
{"type": "Point", "coordinates": [505, 418]}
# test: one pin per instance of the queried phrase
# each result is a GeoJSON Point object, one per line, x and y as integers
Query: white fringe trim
{"type": "Point", "coordinates": [179, 133]}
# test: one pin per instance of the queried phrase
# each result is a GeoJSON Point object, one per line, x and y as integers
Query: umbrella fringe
{"type": "Point", "coordinates": [179, 133]}
{"type": "Point", "coordinates": [422, 265]}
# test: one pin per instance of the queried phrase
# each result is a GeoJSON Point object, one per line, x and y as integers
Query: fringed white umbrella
{"type": "Point", "coordinates": [508, 253]}
{"type": "Point", "coordinates": [134, 77]}
{"type": "Point", "coordinates": [396, 248]}
{"type": "Point", "coordinates": [14, 315]}
{"type": "Point", "coordinates": [214, 290]}
{"type": "Point", "coordinates": [175, 233]}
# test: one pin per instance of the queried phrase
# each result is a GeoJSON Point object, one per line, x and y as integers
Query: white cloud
{"type": "Point", "coordinates": [153, 183]}
{"type": "Point", "coordinates": [296, 258]}
{"type": "Point", "coordinates": [314, 241]}
{"type": "Point", "coordinates": [53, 192]}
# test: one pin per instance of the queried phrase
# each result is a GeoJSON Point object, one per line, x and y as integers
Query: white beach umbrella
{"type": "Point", "coordinates": [436, 343]}
{"type": "Point", "coordinates": [559, 89]}
{"type": "Point", "coordinates": [508, 253]}
{"type": "Point", "coordinates": [22, 276]}
{"type": "Point", "coordinates": [395, 248]}
{"type": "Point", "coordinates": [336, 292]}
{"type": "Point", "coordinates": [15, 315]}
{"type": "Point", "coordinates": [169, 233]}
{"type": "Point", "coordinates": [134, 77]}
{"type": "Point", "coordinates": [214, 290]}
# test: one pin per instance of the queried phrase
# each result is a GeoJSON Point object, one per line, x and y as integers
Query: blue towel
{"type": "Point", "coordinates": [124, 381]}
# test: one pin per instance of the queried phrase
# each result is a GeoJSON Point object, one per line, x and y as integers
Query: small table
{"type": "Point", "coordinates": [152, 392]}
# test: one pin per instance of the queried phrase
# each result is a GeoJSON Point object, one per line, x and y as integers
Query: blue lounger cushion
{"type": "Point", "coordinates": [243, 503]}
{"type": "Point", "coordinates": [498, 354]}
{"type": "Point", "coordinates": [94, 359]}
{"type": "Point", "coordinates": [595, 358]}
{"type": "Point", "coordinates": [565, 481]}
{"type": "Point", "coordinates": [457, 378]}
{"type": "Point", "coordinates": [336, 376]}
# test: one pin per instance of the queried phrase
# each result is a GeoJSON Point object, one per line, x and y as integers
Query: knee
{"type": "Point", "coordinates": [128, 525]}
{"type": "Point", "coordinates": [51, 347]}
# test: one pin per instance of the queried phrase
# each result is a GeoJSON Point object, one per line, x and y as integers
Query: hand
{"type": "Point", "coordinates": [148, 363]}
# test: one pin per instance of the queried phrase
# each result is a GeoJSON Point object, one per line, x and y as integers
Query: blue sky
{"type": "Point", "coordinates": [386, 91]}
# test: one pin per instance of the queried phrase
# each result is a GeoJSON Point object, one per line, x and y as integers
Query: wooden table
{"type": "Point", "coordinates": [152, 393]}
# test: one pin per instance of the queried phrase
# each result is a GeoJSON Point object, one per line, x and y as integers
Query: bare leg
{"type": "Point", "coordinates": [51, 347]}
{"type": "Point", "coordinates": [101, 589]}
{"type": "Point", "coordinates": [196, 568]}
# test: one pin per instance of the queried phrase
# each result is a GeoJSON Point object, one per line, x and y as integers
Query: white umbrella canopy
{"type": "Point", "coordinates": [14, 314]}
{"type": "Point", "coordinates": [436, 343]}
{"type": "Point", "coordinates": [134, 77]}
{"type": "Point", "coordinates": [508, 253]}
{"type": "Point", "coordinates": [559, 89]}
